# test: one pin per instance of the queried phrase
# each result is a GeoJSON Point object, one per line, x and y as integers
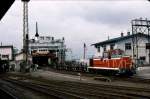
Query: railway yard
{"type": "Point", "coordinates": [56, 84]}
{"type": "Point", "coordinates": [48, 67]}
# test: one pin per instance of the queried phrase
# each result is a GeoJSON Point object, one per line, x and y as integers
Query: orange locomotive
{"type": "Point", "coordinates": [113, 61]}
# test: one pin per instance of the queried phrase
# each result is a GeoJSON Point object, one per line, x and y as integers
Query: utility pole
{"type": "Point", "coordinates": [149, 43]}
{"type": "Point", "coordinates": [84, 51]}
{"type": "Point", "coordinates": [25, 30]}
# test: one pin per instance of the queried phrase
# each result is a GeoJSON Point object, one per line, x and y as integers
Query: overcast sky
{"type": "Point", "coordinates": [77, 21]}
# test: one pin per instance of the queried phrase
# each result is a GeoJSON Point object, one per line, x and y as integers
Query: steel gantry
{"type": "Point", "coordinates": [139, 26]}
{"type": "Point", "coordinates": [25, 31]}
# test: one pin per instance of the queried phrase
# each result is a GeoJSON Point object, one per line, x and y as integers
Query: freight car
{"type": "Point", "coordinates": [113, 62]}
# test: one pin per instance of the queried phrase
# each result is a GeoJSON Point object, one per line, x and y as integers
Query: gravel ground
{"type": "Point", "coordinates": [143, 72]}
{"type": "Point", "coordinates": [66, 77]}
{"type": "Point", "coordinates": [49, 74]}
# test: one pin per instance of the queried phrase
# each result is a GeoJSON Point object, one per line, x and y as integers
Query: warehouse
{"type": "Point", "coordinates": [125, 43]}
{"type": "Point", "coordinates": [46, 50]}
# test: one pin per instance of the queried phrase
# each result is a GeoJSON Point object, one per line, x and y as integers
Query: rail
{"type": "Point", "coordinates": [79, 90]}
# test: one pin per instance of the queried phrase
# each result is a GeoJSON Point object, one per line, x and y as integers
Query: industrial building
{"type": "Point", "coordinates": [47, 50]}
{"type": "Point", "coordinates": [125, 43]}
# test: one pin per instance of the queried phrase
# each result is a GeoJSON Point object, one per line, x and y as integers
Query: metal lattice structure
{"type": "Point", "coordinates": [25, 29]}
{"type": "Point", "coordinates": [139, 26]}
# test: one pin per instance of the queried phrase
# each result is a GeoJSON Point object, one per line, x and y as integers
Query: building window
{"type": "Point", "coordinates": [42, 38]}
{"type": "Point", "coordinates": [112, 46]}
{"type": "Point", "coordinates": [142, 58]}
{"type": "Point", "coordinates": [104, 47]}
{"type": "Point", "coordinates": [5, 56]}
{"type": "Point", "coordinates": [147, 45]}
{"type": "Point", "coordinates": [98, 49]}
{"type": "Point", "coordinates": [127, 46]}
{"type": "Point", "coordinates": [48, 38]}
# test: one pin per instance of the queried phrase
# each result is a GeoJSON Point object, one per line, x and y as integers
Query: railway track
{"type": "Point", "coordinates": [107, 90]}
{"type": "Point", "coordinates": [7, 91]}
{"type": "Point", "coordinates": [121, 90]}
{"type": "Point", "coordinates": [4, 94]}
{"type": "Point", "coordinates": [49, 91]}
{"type": "Point", "coordinates": [78, 90]}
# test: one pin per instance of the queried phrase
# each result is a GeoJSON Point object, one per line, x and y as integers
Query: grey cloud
{"type": "Point", "coordinates": [78, 22]}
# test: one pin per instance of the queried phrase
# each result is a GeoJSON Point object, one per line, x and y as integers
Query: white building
{"type": "Point", "coordinates": [125, 43]}
{"type": "Point", "coordinates": [46, 49]}
{"type": "Point", "coordinates": [6, 52]}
